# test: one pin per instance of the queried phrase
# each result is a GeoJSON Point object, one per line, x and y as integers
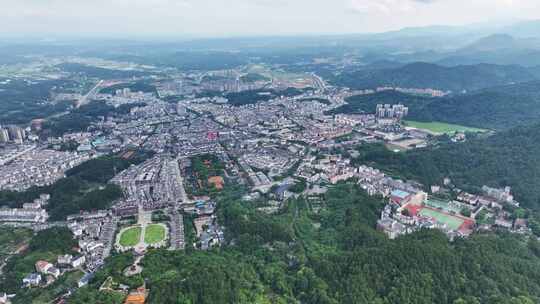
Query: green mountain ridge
{"type": "Point", "coordinates": [335, 256]}
{"type": "Point", "coordinates": [428, 75]}
{"type": "Point", "coordinates": [509, 158]}
{"type": "Point", "coordinates": [496, 108]}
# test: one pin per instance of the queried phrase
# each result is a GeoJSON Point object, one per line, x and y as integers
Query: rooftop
{"type": "Point", "coordinates": [399, 193]}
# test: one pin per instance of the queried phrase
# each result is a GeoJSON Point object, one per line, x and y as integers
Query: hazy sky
{"type": "Point", "coordinates": [249, 17]}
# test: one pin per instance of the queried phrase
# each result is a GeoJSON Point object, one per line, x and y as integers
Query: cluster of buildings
{"type": "Point", "coordinates": [407, 212]}
{"type": "Point", "coordinates": [413, 91]}
{"type": "Point", "coordinates": [426, 92]}
{"type": "Point", "coordinates": [37, 166]}
{"type": "Point", "coordinates": [12, 134]}
{"type": "Point", "coordinates": [230, 81]}
{"type": "Point", "coordinates": [260, 144]}
{"type": "Point", "coordinates": [392, 112]}
{"type": "Point", "coordinates": [327, 169]}
{"type": "Point", "coordinates": [209, 233]}
{"type": "Point", "coordinates": [33, 212]}
{"type": "Point", "coordinates": [9, 153]}
{"type": "Point", "coordinates": [154, 184]}
{"type": "Point", "coordinates": [126, 96]}
{"type": "Point", "coordinates": [257, 179]}
{"type": "Point", "coordinates": [410, 209]}
{"type": "Point", "coordinates": [47, 273]}
{"type": "Point", "coordinates": [274, 159]}
{"type": "Point", "coordinates": [23, 215]}
{"type": "Point", "coordinates": [489, 208]}
{"type": "Point", "coordinates": [95, 232]}
{"type": "Point", "coordinates": [501, 195]}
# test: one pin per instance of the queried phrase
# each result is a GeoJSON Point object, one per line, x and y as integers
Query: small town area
{"type": "Point", "coordinates": [193, 165]}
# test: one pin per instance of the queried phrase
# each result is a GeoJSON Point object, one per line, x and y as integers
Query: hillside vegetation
{"type": "Point", "coordinates": [336, 256]}
{"type": "Point", "coordinates": [510, 158]}
{"type": "Point", "coordinates": [494, 108]}
{"type": "Point", "coordinates": [427, 75]}
{"type": "Point", "coordinates": [85, 187]}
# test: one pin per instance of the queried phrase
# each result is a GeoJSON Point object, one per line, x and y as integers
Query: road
{"type": "Point", "coordinates": [181, 191]}
{"type": "Point", "coordinates": [88, 97]}
{"type": "Point", "coordinates": [177, 230]}
{"type": "Point", "coordinates": [319, 82]}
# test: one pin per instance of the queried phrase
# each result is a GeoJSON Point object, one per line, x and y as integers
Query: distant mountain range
{"type": "Point", "coordinates": [523, 29]}
{"type": "Point", "coordinates": [496, 108]}
{"type": "Point", "coordinates": [499, 42]}
{"type": "Point", "coordinates": [500, 49]}
{"type": "Point", "coordinates": [518, 43]}
{"type": "Point", "coordinates": [428, 75]}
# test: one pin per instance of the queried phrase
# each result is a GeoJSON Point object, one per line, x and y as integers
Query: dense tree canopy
{"type": "Point", "coordinates": [78, 120]}
{"type": "Point", "coordinates": [45, 245]}
{"type": "Point", "coordinates": [510, 158]}
{"type": "Point", "coordinates": [22, 101]}
{"type": "Point", "coordinates": [334, 255]}
{"type": "Point", "coordinates": [428, 75]}
{"type": "Point", "coordinates": [496, 108]}
{"type": "Point", "coordinates": [85, 187]}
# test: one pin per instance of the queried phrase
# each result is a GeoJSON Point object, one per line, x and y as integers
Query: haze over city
{"type": "Point", "coordinates": [270, 151]}
{"type": "Point", "coordinates": [248, 17]}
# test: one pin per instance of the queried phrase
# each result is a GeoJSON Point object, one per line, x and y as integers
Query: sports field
{"type": "Point", "coordinates": [441, 127]}
{"type": "Point", "coordinates": [451, 221]}
{"type": "Point", "coordinates": [154, 234]}
{"type": "Point", "coordinates": [130, 237]}
{"type": "Point", "coordinates": [446, 206]}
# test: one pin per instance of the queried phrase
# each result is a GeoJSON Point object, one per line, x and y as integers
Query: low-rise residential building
{"type": "Point", "coordinates": [23, 215]}
{"type": "Point", "coordinates": [32, 280]}
{"type": "Point", "coordinates": [43, 266]}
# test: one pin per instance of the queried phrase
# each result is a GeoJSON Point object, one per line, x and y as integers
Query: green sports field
{"type": "Point", "coordinates": [441, 127]}
{"type": "Point", "coordinates": [451, 221]}
{"type": "Point", "coordinates": [154, 234]}
{"type": "Point", "coordinates": [130, 237]}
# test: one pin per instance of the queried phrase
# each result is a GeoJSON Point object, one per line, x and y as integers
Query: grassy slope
{"type": "Point", "coordinates": [441, 127]}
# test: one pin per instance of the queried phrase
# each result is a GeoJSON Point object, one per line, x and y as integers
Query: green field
{"type": "Point", "coordinates": [451, 221]}
{"type": "Point", "coordinates": [154, 234]}
{"type": "Point", "coordinates": [441, 127]}
{"type": "Point", "coordinates": [130, 237]}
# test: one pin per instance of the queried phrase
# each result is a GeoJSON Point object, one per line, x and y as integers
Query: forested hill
{"type": "Point", "coordinates": [494, 108]}
{"type": "Point", "coordinates": [96, 72]}
{"type": "Point", "coordinates": [509, 158]}
{"type": "Point", "coordinates": [427, 75]}
{"type": "Point", "coordinates": [333, 256]}
{"type": "Point", "coordinates": [367, 103]}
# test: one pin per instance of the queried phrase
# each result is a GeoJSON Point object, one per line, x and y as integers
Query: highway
{"type": "Point", "coordinates": [88, 97]}
{"type": "Point", "coordinates": [319, 82]}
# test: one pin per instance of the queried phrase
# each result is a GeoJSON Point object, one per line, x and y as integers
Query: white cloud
{"type": "Point", "coordinates": [391, 6]}
{"type": "Point", "coordinates": [224, 17]}
{"type": "Point", "coordinates": [381, 6]}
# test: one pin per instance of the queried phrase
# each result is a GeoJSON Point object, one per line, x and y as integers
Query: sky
{"type": "Point", "coordinates": [248, 17]}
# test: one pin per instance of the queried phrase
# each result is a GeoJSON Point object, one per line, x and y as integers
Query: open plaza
{"type": "Point", "coordinates": [143, 235]}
